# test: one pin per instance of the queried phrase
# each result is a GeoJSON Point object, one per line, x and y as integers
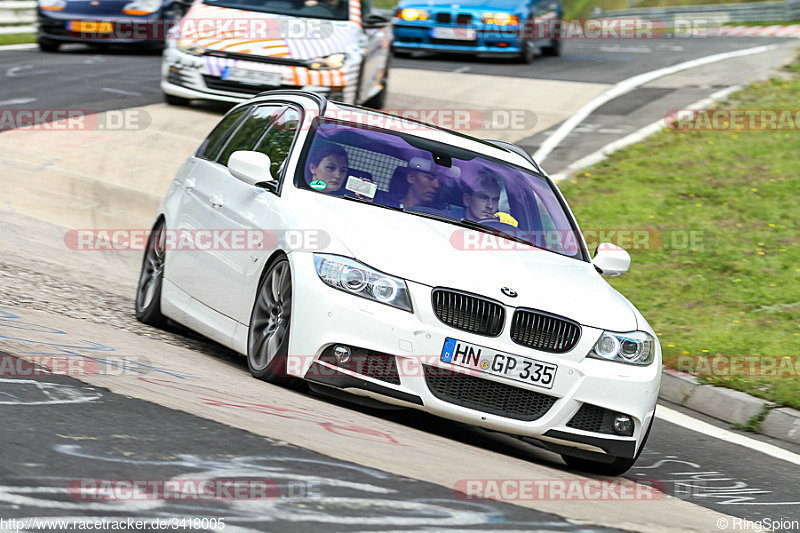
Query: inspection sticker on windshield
{"type": "Point", "coordinates": [489, 361]}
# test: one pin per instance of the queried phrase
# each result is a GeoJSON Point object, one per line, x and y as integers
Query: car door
{"type": "Point", "coordinates": [376, 48]}
{"type": "Point", "coordinates": [199, 183]}
{"type": "Point", "coordinates": [247, 216]}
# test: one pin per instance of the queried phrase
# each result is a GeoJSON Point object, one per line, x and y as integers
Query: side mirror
{"type": "Point", "coordinates": [252, 168]}
{"type": "Point", "coordinates": [611, 260]}
{"type": "Point", "coordinates": [374, 20]}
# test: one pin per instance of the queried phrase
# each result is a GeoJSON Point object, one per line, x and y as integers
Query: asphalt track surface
{"type": "Point", "coordinates": [119, 437]}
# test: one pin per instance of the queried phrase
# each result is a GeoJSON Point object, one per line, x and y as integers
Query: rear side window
{"type": "Point", "coordinates": [250, 131]}
{"type": "Point", "coordinates": [210, 147]}
{"type": "Point", "coordinates": [277, 142]}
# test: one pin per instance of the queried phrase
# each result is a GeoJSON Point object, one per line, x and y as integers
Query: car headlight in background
{"type": "Point", "coordinates": [141, 7]}
{"type": "Point", "coordinates": [349, 275]}
{"type": "Point", "coordinates": [331, 61]}
{"type": "Point", "coordinates": [634, 348]}
{"type": "Point", "coordinates": [52, 5]}
{"type": "Point", "coordinates": [500, 19]}
{"type": "Point", "coordinates": [412, 14]}
{"type": "Point", "coordinates": [190, 47]}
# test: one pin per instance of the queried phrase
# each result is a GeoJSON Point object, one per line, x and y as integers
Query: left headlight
{"type": "Point", "coordinates": [331, 61]}
{"type": "Point", "coordinates": [349, 275]}
{"type": "Point", "coordinates": [141, 7]}
{"type": "Point", "coordinates": [634, 348]}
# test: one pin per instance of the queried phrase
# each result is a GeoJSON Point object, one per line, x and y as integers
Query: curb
{"type": "Point", "coordinates": [734, 407]}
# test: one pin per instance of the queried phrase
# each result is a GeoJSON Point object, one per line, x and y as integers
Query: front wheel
{"type": "Point", "coordinates": [268, 337]}
{"type": "Point", "coordinates": [151, 279]}
{"type": "Point", "coordinates": [48, 45]}
{"type": "Point", "coordinates": [554, 48]}
{"type": "Point", "coordinates": [528, 54]}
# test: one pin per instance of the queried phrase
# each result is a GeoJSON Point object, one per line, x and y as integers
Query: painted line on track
{"type": "Point", "coordinates": [27, 46]}
{"type": "Point", "coordinates": [686, 421]}
{"type": "Point", "coordinates": [628, 85]}
{"type": "Point", "coordinates": [638, 135]}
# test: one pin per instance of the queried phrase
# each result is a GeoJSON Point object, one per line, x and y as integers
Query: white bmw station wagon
{"type": "Point", "coordinates": [404, 263]}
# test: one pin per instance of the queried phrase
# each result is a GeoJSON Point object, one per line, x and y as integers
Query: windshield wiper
{"type": "Point", "coordinates": [471, 224]}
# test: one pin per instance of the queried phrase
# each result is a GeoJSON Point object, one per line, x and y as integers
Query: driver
{"type": "Point", "coordinates": [483, 200]}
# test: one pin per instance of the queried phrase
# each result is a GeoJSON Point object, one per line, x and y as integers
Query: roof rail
{"type": "Point", "coordinates": [511, 147]}
{"type": "Point", "coordinates": [321, 100]}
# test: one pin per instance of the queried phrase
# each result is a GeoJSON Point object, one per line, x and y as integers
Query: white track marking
{"type": "Point", "coordinates": [686, 421]}
{"type": "Point", "coordinates": [638, 135]}
{"type": "Point", "coordinates": [628, 85]}
{"type": "Point", "coordinates": [120, 91]}
{"type": "Point", "coordinates": [18, 101]}
{"type": "Point", "coordinates": [30, 46]}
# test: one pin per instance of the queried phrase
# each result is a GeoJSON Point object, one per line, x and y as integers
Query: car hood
{"type": "Point", "coordinates": [270, 35]}
{"type": "Point", "coordinates": [429, 252]}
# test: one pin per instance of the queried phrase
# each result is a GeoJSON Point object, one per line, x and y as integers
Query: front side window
{"type": "Point", "coordinates": [216, 139]}
{"type": "Point", "coordinates": [250, 131]}
{"type": "Point", "coordinates": [277, 141]}
{"type": "Point", "coordinates": [436, 180]}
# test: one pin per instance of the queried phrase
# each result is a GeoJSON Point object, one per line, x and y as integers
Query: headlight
{"type": "Point", "coordinates": [349, 275]}
{"type": "Point", "coordinates": [331, 61]}
{"type": "Point", "coordinates": [141, 7]}
{"type": "Point", "coordinates": [52, 5]}
{"type": "Point", "coordinates": [634, 348]}
{"type": "Point", "coordinates": [190, 47]}
{"type": "Point", "coordinates": [412, 14]}
{"type": "Point", "coordinates": [500, 19]}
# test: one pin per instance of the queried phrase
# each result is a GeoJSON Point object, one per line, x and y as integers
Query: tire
{"type": "Point", "coordinates": [379, 100]}
{"type": "Point", "coordinates": [554, 49]}
{"type": "Point", "coordinates": [528, 54]}
{"type": "Point", "coordinates": [171, 99]}
{"type": "Point", "coordinates": [48, 45]}
{"type": "Point", "coordinates": [617, 467]}
{"type": "Point", "coordinates": [270, 322]}
{"type": "Point", "coordinates": [151, 279]}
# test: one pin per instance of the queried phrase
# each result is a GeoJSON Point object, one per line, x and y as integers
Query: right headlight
{"type": "Point", "coordinates": [349, 275]}
{"type": "Point", "coordinates": [634, 348]}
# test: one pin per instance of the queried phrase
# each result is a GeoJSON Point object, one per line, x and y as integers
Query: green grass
{"type": "Point", "coordinates": [583, 8]}
{"type": "Point", "coordinates": [384, 4]}
{"type": "Point", "coordinates": [763, 23]}
{"type": "Point", "coordinates": [17, 38]}
{"type": "Point", "coordinates": [737, 291]}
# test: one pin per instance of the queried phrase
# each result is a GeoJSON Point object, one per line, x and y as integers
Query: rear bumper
{"type": "Point", "coordinates": [144, 31]}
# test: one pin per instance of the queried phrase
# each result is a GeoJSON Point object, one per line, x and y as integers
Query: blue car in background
{"type": "Point", "coordinates": [504, 28]}
{"type": "Point", "coordinates": [144, 22]}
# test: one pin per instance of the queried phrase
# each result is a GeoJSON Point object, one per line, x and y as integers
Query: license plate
{"type": "Point", "coordinates": [459, 34]}
{"type": "Point", "coordinates": [90, 26]}
{"type": "Point", "coordinates": [254, 77]}
{"type": "Point", "coordinates": [487, 361]}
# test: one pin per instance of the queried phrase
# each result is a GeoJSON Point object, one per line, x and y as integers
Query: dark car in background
{"type": "Point", "coordinates": [143, 22]}
{"type": "Point", "coordinates": [502, 28]}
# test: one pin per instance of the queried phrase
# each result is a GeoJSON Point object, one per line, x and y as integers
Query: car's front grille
{"type": "Point", "coordinates": [376, 365]}
{"type": "Point", "coordinates": [453, 42]}
{"type": "Point", "coordinates": [218, 84]}
{"type": "Point", "coordinates": [272, 60]}
{"type": "Point", "coordinates": [543, 331]}
{"type": "Point", "coordinates": [593, 418]}
{"type": "Point", "coordinates": [443, 18]}
{"type": "Point", "coordinates": [487, 396]}
{"type": "Point", "coordinates": [464, 18]}
{"type": "Point", "coordinates": [468, 312]}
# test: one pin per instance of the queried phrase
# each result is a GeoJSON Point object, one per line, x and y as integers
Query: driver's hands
{"type": "Point", "coordinates": [505, 218]}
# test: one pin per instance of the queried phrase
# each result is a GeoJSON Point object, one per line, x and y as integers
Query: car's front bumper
{"type": "Point", "coordinates": [409, 37]}
{"type": "Point", "coordinates": [416, 339]}
{"type": "Point", "coordinates": [199, 77]}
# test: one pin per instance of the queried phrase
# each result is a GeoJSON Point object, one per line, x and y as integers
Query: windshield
{"type": "Point", "coordinates": [315, 9]}
{"type": "Point", "coordinates": [435, 180]}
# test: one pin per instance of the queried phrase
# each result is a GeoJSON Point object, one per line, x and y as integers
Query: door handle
{"type": "Point", "coordinates": [189, 184]}
{"type": "Point", "coordinates": [216, 201]}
